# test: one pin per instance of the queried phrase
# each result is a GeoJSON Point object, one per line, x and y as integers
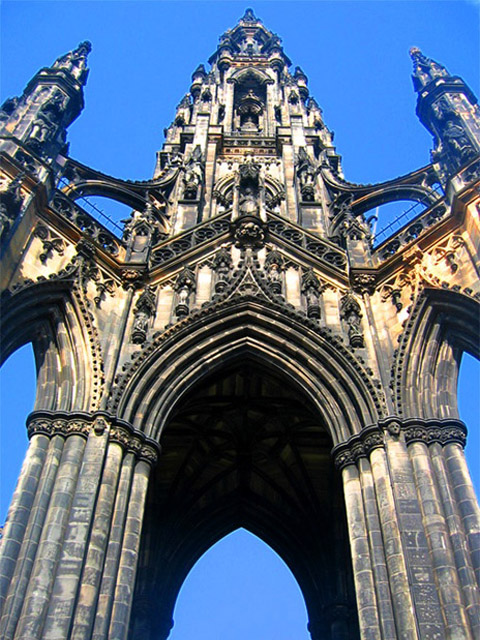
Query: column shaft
{"type": "Point", "coordinates": [456, 621]}
{"type": "Point", "coordinates": [361, 560]}
{"type": "Point", "coordinates": [129, 555]}
{"type": "Point", "coordinates": [457, 539]}
{"type": "Point", "coordinates": [397, 570]}
{"type": "Point", "coordinates": [43, 573]}
{"type": "Point", "coordinates": [33, 533]}
{"type": "Point", "coordinates": [382, 585]}
{"type": "Point", "coordinates": [92, 571]}
{"type": "Point", "coordinates": [71, 560]}
{"type": "Point", "coordinates": [110, 569]}
{"type": "Point", "coordinates": [19, 511]}
{"type": "Point", "coordinates": [466, 500]}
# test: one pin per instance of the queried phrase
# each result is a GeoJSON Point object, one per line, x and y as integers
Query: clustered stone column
{"type": "Point", "coordinates": [414, 527]}
{"type": "Point", "coordinates": [69, 553]}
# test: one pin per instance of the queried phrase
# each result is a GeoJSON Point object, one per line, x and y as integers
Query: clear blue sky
{"type": "Point", "coordinates": [356, 57]}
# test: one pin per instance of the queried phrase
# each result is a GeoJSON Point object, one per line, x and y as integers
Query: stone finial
{"type": "Point", "coordinates": [75, 61]}
{"type": "Point", "coordinates": [249, 16]}
{"type": "Point", "coordinates": [424, 69]}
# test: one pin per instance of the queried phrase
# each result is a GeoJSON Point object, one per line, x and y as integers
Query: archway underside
{"type": "Point", "coordinates": [246, 450]}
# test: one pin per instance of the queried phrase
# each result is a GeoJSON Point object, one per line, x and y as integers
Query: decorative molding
{"type": "Point", "coordinates": [51, 423]}
{"type": "Point", "coordinates": [223, 302]}
{"type": "Point", "coordinates": [447, 431]}
{"type": "Point", "coordinates": [429, 431]}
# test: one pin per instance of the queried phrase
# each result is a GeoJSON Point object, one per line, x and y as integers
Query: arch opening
{"type": "Point", "coordinates": [18, 379]}
{"type": "Point", "coordinates": [246, 449]}
{"type": "Point", "coordinates": [468, 408]}
{"type": "Point", "coordinates": [240, 588]}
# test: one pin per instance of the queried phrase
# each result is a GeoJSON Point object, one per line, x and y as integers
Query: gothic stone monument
{"type": "Point", "coordinates": [243, 356]}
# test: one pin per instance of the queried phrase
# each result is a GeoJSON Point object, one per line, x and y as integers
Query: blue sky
{"type": "Point", "coordinates": [356, 57]}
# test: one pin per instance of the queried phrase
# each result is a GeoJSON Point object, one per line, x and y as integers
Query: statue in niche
{"type": "Point", "coordinates": [140, 325]}
{"type": "Point", "coordinates": [144, 311]}
{"type": "Point", "coordinates": [184, 286]}
{"type": "Point", "coordinates": [274, 267]}
{"type": "Point", "coordinates": [306, 173]}
{"type": "Point", "coordinates": [312, 289]}
{"type": "Point", "coordinates": [193, 175]}
{"type": "Point", "coordinates": [143, 223]}
{"type": "Point", "coordinates": [457, 140]}
{"type": "Point", "coordinates": [222, 265]}
{"type": "Point", "coordinates": [42, 129]}
{"type": "Point", "coordinates": [11, 201]}
{"type": "Point", "coordinates": [351, 313]}
{"type": "Point", "coordinates": [248, 203]}
{"type": "Point", "coordinates": [8, 107]}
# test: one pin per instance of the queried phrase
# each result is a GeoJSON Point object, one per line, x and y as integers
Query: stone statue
{"type": "Point", "coordinates": [306, 175]}
{"type": "Point", "coordinates": [248, 203]}
{"type": "Point", "coordinates": [457, 140]}
{"type": "Point", "coordinates": [193, 175]}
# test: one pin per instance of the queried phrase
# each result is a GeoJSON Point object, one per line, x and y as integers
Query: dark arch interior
{"type": "Point", "coordinates": [246, 449]}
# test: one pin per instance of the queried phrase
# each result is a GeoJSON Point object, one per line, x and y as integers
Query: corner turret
{"type": "Point", "coordinates": [447, 107]}
{"type": "Point", "coordinates": [33, 127]}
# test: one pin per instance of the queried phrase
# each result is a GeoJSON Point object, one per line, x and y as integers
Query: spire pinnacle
{"type": "Point", "coordinates": [75, 61]}
{"type": "Point", "coordinates": [424, 69]}
{"type": "Point", "coordinates": [249, 16]}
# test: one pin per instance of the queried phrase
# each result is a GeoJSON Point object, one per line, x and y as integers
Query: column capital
{"type": "Point", "coordinates": [442, 431]}
{"type": "Point", "coordinates": [63, 423]}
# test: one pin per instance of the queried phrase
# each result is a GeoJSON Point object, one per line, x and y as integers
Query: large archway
{"type": "Point", "coordinates": [245, 448]}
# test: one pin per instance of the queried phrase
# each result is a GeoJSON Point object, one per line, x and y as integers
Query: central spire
{"type": "Point", "coordinates": [249, 40]}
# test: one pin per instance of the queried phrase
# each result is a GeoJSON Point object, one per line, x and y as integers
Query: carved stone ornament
{"type": "Point", "coordinates": [358, 446]}
{"type": "Point", "coordinates": [132, 278]}
{"type": "Point", "coordinates": [394, 427]}
{"type": "Point", "coordinates": [50, 243]}
{"type": "Point", "coordinates": [443, 432]}
{"type": "Point", "coordinates": [363, 283]}
{"type": "Point", "coordinates": [446, 431]}
{"type": "Point", "coordinates": [249, 231]}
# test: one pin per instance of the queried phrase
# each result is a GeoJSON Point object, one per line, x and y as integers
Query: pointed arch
{"type": "Point", "coordinates": [312, 360]}
{"type": "Point", "coordinates": [250, 74]}
{"type": "Point", "coordinates": [443, 324]}
{"type": "Point", "coordinates": [53, 316]}
{"type": "Point", "coordinates": [243, 448]}
{"type": "Point", "coordinates": [267, 583]}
